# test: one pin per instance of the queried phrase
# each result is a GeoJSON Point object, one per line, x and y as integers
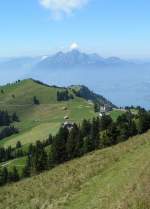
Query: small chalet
{"type": "Point", "coordinates": [68, 125]}
{"type": "Point", "coordinates": [102, 111]}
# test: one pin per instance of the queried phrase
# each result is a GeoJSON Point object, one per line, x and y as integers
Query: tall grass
{"type": "Point", "coordinates": [112, 178]}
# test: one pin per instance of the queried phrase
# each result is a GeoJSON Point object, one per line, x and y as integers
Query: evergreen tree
{"type": "Point", "coordinates": [88, 144]}
{"type": "Point", "coordinates": [2, 154]}
{"type": "Point", "coordinates": [59, 153]}
{"type": "Point", "coordinates": [85, 128]}
{"type": "Point", "coordinates": [73, 143]}
{"type": "Point", "coordinates": [64, 95]}
{"type": "Point", "coordinates": [10, 177]}
{"type": "Point", "coordinates": [123, 132]}
{"type": "Point", "coordinates": [49, 140]}
{"type": "Point", "coordinates": [15, 117]}
{"type": "Point", "coordinates": [3, 176]}
{"type": "Point", "coordinates": [109, 136]}
{"type": "Point", "coordinates": [143, 121]}
{"type": "Point", "coordinates": [19, 153]}
{"type": "Point", "coordinates": [96, 106]}
{"type": "Point", "coordinates": [2, 91]}
{"type": "Point", "coordinates": [41, 160]}
{"type": "Point", "coordinates": [8, 131]}
{"type": "Point", "coordinates": [95, 133]}
{"type": "Point", "coordinates": [37, 159]}
{"type": "Point", "coordinates": [105, 122]}
{"type": "Point", "coordinates": [35, 101]}
{"type": "Point", "coordinates": [31, 149]}
{"type": "Point", "coordinates": [14, 176]}
{"type": "Point", "coordinates": [18, 145]}
{"type": "Point", "coordinates": [8, 153]}
{"type": "Point", "coordinates": [27, 169]}
{"type": "Point", "coordinates": [133, 129]}
{"type": "Point", "coordinates": [5, 119]}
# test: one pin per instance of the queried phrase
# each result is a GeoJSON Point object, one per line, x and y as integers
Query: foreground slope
{"type": "Point", "coordinates": [114, 178]}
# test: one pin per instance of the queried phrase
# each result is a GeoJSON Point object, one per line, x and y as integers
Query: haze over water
{"type": "Point", "coordinates": [121, 86]}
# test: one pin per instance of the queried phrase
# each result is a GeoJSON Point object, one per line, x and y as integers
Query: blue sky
{"type": "Point", "coordinates": [109, 27]}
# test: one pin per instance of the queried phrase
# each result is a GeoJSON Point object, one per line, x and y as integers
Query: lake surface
{"type": "Point", "coordinates": [123, 86]}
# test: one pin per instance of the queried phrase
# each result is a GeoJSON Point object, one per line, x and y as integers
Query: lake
{"type": "Point", "coordinates": [123, 86]}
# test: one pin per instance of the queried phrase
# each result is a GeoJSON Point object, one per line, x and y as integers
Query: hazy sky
{"type": "Point", "coordinates": [109, 27]}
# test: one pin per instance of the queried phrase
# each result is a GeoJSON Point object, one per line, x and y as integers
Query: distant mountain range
{"type": "Point", "coordinates": [62, 60]}
{"type": "Point", "coordinates": [18, 63]}
{"type": "Point", "coordinates": [77, 59]}
{"type": "Point", "coordinates": [124, 82]}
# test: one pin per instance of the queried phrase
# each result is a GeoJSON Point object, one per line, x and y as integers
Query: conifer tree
{"type": "Point", "coordinates": [3, 176]}
{"type": "Point", "coordinates": [27, 169]}
{"type": "Point", "coordinates": [59, 153]}
{"type": "Point", "coordinates": [88, 144]}
{"type": "Point", "coordinates": [35, 101]}
{"type": "Point", "coordinates": [18, 145]}
{"type": "Point", "coordinates": [85, 128]}
{"type": "Point", "coordinates": [15, 175]}
{"type": "Point", "coordinates": [95, 133]}
{"type": "Point", "coordinates": [73, 141]}
{"type": "Point", "coordinates": [15, 117]}
{"type": "Point", "coordinates": [105, 122]}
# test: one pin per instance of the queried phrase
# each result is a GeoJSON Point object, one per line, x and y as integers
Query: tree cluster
{"type": "Point", "coordinates": [10, 153]}
{"type": "Point", "coordinates": [8, 131]}
{"type": "Point", "coordinates": [37, 160]}
{"type": "Point", "coordinates": [66, 145]}
{"type": "Point", "coordinates": [90, 135]}
{"type": "Point", "coordinates": [6, 119]}
{"type": "Point", "coordinates": [8, 176]}
{"type": "Point", "coordinates": [64, 95]}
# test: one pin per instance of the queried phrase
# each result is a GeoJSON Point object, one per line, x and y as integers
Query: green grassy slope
{"type": "Point", "coordinates": [114, 178]}
{"type": "Point", "coordinates": [18, 163]}
{"type": "Point", "coordinates": [115, 113]}
{"type": "Point", "coordinates": [40, 132]}
{"type": "Point", "coordinates": [38, 121]}
{"type": "Point", "coordinates": [23, 101]}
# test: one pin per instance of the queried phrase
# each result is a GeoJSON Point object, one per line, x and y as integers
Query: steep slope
{"type": "Point", "coordinates": [114, 178]}
{"type": "Point", "coordinates": [84, 92]}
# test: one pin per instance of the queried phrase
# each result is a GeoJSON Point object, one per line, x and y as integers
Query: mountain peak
{"type": "Point", "coordinates": [76, 51]}
{"type": "Point", "coordinates": [77, 59]}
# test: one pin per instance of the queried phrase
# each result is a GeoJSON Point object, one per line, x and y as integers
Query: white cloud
{"type": "Point", "coordinates": [44, 57]}
{"type": "Point", "coordinates": [73, 46]}
{"type": "Point", "coordinates": [61, 7]}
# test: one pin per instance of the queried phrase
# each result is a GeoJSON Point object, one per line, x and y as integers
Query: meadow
{"type": "Point", "coordinates": [38, 121]}
{"type": "Point", "coordinates": [112, 178]}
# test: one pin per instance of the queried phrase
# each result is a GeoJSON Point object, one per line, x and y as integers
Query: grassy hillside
{"type": "Point", "coordinates": [38, 121]}
{"type": "Point", "coordinates": [18, 162]}
{"type": "Point", "coordinates": [114, 178]}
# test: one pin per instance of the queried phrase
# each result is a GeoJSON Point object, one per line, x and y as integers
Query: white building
{"type": "Point", "coordinates": [102, 111]}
